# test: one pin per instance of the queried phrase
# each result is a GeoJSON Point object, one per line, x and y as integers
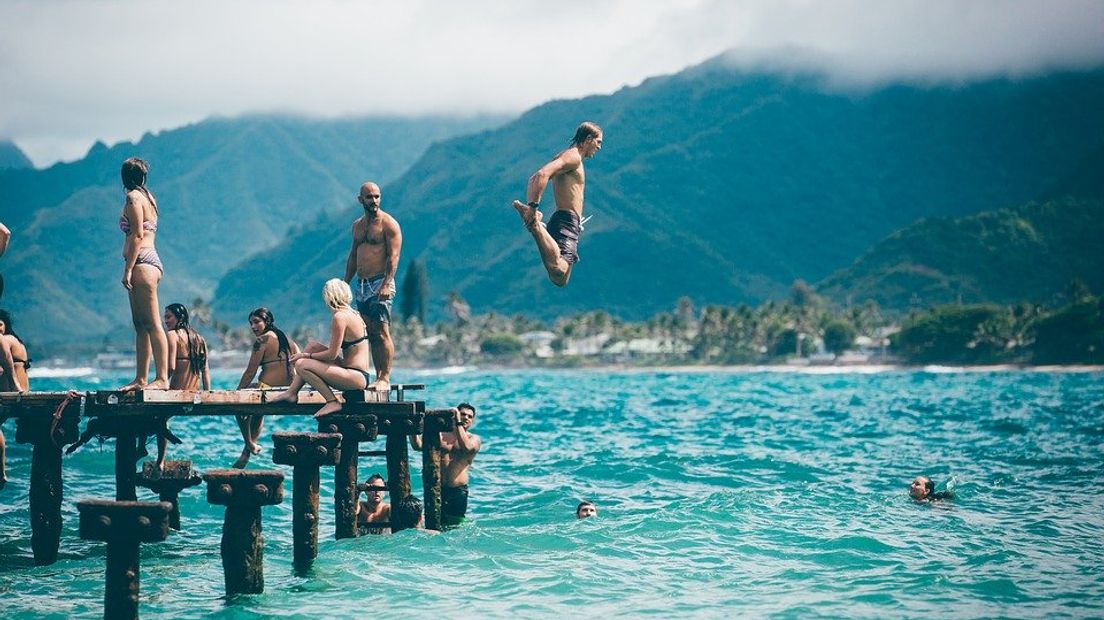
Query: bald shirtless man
{"type": "Point", "coordinates": [458, 450]}
{"type": "Point", "coordinates": [374, 259]}
{"type": "Point", "coordinates": [558, 241]}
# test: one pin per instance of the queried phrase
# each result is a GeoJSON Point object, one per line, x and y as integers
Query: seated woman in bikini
{"type": "Point", "coordinates": [13, 375]}
{"type": "Point", "coordinates": [272, 351]}
{"type": "Point", "coordinates": [187, 363]}
{"type": "Point", "coordinates": [346, 364]}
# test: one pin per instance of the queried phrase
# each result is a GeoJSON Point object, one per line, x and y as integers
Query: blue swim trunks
{"type": "Point", "coordinates": [368, 302]}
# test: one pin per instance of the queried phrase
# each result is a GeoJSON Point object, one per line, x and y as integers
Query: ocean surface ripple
{"type": "Point", "coordinates": [719, 493]}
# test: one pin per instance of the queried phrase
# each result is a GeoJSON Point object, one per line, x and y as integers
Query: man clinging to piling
{"type": "Point", "coordinates": [458, 450]}
{"type": "Point", "coordinates": [374, 259]}
{"type": "Point", "coordinates": [558, 241]}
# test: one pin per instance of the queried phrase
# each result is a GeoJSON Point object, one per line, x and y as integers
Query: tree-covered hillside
{"type": "Point", "coordinates": [715, 184]}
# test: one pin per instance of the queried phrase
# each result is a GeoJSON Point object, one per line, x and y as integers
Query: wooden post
{"type": "Point", "coordinates": [243, 493]}
{"type": "Point", "coordinates": [353, 429]}
{"type": "Point", "coordinates": [168, 483]}
{"type": "Point", "coordinates": [123, 525]}
{"type": "Point", "coordinates": [398, 427]}
{"type": "Point", "coordinates": [46, 486]}
{"type": "Point", "coordinates": [305, 452]}
{"type": "Point", "coordinates": [436, 422]}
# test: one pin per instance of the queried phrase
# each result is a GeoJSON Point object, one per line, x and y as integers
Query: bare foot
{"type": "Point", "coordinates": [158, 384]}
{"type": "Point", "coordinates": [134, 386]}
{"type": "Point", "coordinates": [242, 460]}
{"type": "Point", "coordinates": [381, 385]}
{"type": "Point", "coordinates": [331, 407]}
{"type": "Point", "coordinates": [287, 396]}
{"type": "Point", "coordinates": [253, 447]}
{"type": "Point", "coordinates": [529, 215]}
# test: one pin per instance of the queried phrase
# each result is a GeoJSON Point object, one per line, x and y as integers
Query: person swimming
{"type": "Point", "coordinates": [922, 489]}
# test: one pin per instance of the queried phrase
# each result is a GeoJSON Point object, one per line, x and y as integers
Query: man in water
{"type": "Point", "coordinates": [458, 450]}
{"type": "Point", "coordinates": [409, 510]}
{"type": "Point", "coordinates": [374, 259]}
{"type": "Point", "coordinates": [558, 241]}
{"type": "Point", "coordinates": [375, 510]}
{"type": "Point", "coordinates": [585, 510]}
{"type": "Point", "coordinates": [922, 489]}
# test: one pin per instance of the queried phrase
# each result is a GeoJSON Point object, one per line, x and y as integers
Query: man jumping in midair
{"type": "Point", "coordinates": [558, 241]}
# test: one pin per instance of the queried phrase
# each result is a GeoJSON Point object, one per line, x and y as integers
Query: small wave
{"type": "Point", "coordinates": [47, 372]}
{"type": "Point", "coordinates": [445, 370]}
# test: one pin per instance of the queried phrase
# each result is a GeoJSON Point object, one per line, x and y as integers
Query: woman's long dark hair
{"type": "Point", "coordinates": [134, 177]}
{"type": "Point", "coordinates": [265, 315]}
{"type": "Point", "coordinates": [197, 346]}
{"type": "Point", "coordinates": [9, 329]}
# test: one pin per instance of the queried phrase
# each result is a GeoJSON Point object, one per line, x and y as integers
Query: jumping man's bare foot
{"type": "Point", "coordinates": [242, 460]}
{"type": "Point", "coordinates": [331, 407]}
{"type": "Point", "coordinates": [529, 215]}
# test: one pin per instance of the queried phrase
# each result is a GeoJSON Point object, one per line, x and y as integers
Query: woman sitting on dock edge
{"type": "Point", "coordinates": [346, 364]}
{"type": "Point", "coordinates": [187, 363]}
{"type": "Point", "coordinates": [272, 351]}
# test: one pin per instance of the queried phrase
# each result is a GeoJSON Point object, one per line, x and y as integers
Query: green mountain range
{"type": "Point", "coordinates": [13, 157]}
{"type": "Point", "coordinates": [716, 184]}
{"type": "Point", "coordinates": [227, 189]}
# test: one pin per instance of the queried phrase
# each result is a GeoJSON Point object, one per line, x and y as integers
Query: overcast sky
{"type": "Point", "coordinates": [72, 72]}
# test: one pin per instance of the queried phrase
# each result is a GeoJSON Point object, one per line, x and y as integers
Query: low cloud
{"type": "Point", "coordinates": [74, 72]}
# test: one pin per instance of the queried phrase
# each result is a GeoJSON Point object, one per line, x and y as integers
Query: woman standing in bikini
{"type": "Point", "coordinates": [187, 363]}
{"type": "Point", "coordinates": [345, 364]}
{"type": "Point", "coordinates": [142, 271]}
{"type": "Point", "coordinates": [272, 352]}
{"type": "Point", "coordinates": [14, 363]}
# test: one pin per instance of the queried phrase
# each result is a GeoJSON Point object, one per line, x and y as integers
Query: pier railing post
{"type": "Point", "coordinates": [168, 483]}
{"type": "Point", "coordinates": [398, 427]}
{"type": "Point", "coordinates": [353, 430]}
{"type": "Point", "coordinates": [243, 493]}
{"type": "Point", "coordinates": [47, 441]}
{"type": "Point", "coordinates": [123, 525]}
{"type": "Point", "coordinates": [436, 422]}
{"type": "Point", "coordinates": [305, 452]}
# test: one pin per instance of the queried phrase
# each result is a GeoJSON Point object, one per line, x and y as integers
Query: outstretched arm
{"type": "Point", "coordinates": [350, 263]}
{"type": "Point", "coordinates": [568, 160]}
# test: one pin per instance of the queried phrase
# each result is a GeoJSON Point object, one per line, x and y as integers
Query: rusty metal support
{"type": "Point", "coordinates": [243, 493]}
{"type": "Point", "coordinates": [398, 427]}
{"type": "Point", "coordinates": [353, 430]}
{"type": "Point", "coordinates": [436, 422]}
{"type": "Point", "coordinates": [305, 452]}
{"type": "Point", "coordinates": [123, 525]}
{"type": "Point", "coordinates": [168, 483]}
{"type": "Point", "coordinates": [46, 490]}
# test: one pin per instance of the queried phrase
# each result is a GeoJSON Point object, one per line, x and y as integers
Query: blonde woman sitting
{"type": "Point", "coordinates": [345, 364]}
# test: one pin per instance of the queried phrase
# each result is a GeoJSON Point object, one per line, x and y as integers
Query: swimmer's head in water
{"type": "Point", "coordinates": [370, 198]}
{"type": "Point", "coordinates": [586, 510]}
{"type": "Point", "coordinates": [588, 139]}
{"type": "Point", "coordinates": [408, 511]}
{"type": "Point", "coordinates": [134, 173]}
{"type": "Point", "coordinates": [921, 488]}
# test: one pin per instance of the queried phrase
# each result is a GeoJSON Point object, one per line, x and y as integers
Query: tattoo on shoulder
{"type": "Point", "coordinates": [257, 344]}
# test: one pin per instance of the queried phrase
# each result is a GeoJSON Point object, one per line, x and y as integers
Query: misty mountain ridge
{"type": "Point", "coordinates": [713, 183]}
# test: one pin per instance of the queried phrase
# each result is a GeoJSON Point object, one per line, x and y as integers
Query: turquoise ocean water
{"type": "Point", "coordinates": [720, 493]}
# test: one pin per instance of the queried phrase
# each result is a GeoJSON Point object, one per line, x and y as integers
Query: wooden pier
{"type": "Point", "coordinates": [50, 421]}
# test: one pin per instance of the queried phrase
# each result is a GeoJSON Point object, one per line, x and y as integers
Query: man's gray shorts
{"type": "Point", "coordinates": [368, 302]}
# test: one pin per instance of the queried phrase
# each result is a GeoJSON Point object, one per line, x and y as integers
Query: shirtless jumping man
{"type": "Point", "coordinates": [558, 241]}
{"type": "Point", "coordinates": [458, 450]}
{"type": "Point", "coordinates": [374, 259]}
